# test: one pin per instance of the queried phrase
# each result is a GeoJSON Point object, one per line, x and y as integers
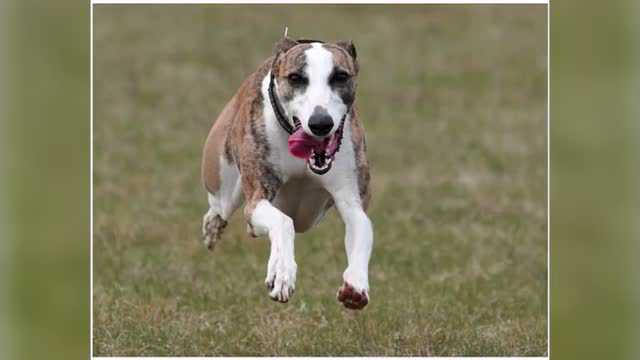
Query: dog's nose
{"type": "Point", "coordinates": [320, 122]}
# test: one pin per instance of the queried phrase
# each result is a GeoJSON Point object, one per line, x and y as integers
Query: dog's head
{"type": "Point", "coordinates": [316, 82]}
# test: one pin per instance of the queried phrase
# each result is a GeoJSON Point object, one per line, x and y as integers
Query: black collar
{"type": "Point", "coordinates": [277, 108]}
{"type": "Point", "coordinates": [282, 119]}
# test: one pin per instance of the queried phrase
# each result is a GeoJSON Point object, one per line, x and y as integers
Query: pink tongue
{"type": "Point", "coordinates": [301, 144]}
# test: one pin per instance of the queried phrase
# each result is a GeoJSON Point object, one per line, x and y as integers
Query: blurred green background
{"type": "Point", "coordinates": [594, 181]}
{"type": "Point", "coordinates": [46, 172]}
{"type": "Point", "coordinates": [594, 188]}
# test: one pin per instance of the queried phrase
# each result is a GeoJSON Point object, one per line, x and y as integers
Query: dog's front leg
{"type": "Point", "coordinates": [266, 219]}
{"type": "Point", "coordinates": [354, 293]}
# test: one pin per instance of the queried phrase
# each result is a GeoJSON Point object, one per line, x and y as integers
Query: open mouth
{"type": "Point", "coordinates": [318, 152]}
{"type": "Point", "coordinates": [319, 162]}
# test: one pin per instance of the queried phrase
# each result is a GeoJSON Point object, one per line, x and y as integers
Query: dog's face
{"type": "Point", "coordinates": [316, 83]}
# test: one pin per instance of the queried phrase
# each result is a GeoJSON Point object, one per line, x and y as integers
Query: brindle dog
{"type": "Point", "coordinates": [248, 156]}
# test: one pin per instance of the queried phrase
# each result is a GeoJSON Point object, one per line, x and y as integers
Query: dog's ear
{"type": "Point", "coordinates": [284, 44]}
{"type": "Point", "coordinates": [349, 47]}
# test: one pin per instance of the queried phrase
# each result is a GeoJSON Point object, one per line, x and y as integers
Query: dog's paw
{"type": "Point", "coordinates": [212, 228]}
{"type": "Point", "coordinates": [281, 282]}
{"type": "Point", "coordinates": [352, 297]}
{"type": "Point", "coordinates": [210, 241]}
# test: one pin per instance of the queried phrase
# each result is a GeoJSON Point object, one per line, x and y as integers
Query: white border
{"type": "Point", "coordinates": [327, 357]}
{"type": "Point", "coordinates": [548, 180]}
{"type": "Point", "coordinates": [298, 2]}
{"type": "Point", "coordinates": [91, 177]}
{"type": "Point", "coordinates": [450, 2]}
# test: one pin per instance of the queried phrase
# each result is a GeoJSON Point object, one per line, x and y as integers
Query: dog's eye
{"type": "Point", "coordinates": [339, 77]}
{"type": "Point", "coordinates": [296, 79]}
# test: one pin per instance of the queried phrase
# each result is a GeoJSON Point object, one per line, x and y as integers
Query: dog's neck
{"type": "Point", "coordinates": [269, 112]}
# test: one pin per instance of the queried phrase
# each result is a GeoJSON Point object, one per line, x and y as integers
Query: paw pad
{"type": "Point", "coordinates": [351, 298]}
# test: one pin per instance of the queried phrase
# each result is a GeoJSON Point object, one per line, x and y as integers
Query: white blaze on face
{"type": "Point", "coordinates": [318, 92]}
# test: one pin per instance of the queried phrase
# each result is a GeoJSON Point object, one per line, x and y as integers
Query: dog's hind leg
{"type": "Point", "coordinates": [212, 227]}
{"type": "Point", "coordinates": [222, 204]}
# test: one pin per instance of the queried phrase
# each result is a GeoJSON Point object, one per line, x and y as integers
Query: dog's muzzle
{"type": "Point", "coordinates": [320, 122]}
{"type": "Point", "coordinates": [318, 152]}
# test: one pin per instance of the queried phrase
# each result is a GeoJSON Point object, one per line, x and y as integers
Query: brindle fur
{"type": "Point", "coordinates": [293, 62]}
{"type": "Point", "coordinates": [362, 165]}
{"type": "Point", "coordinates": [239, 132]}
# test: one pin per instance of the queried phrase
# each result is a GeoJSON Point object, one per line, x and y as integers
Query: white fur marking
{"type": "Point", "coordinates": [281, 268]}
{"type": "Point", "coordinates": [318, 93]}
{"type": "Point", "coordinates": [358, 239]}
{"type": "Point", "coordinates": [230, 185]}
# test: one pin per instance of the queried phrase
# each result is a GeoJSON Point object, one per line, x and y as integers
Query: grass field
{"type": "Point", "coordinates": [453, 99]}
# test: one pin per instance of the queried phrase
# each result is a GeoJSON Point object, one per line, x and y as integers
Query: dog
{"type": "Point", "coordinates": [290, 145]}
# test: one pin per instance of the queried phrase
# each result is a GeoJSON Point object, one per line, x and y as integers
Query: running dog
{"type": "Point", "coordinates": [290, 145]}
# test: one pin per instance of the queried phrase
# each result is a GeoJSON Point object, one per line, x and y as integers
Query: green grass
{"type": "Point", "coordinates": [453, 99]}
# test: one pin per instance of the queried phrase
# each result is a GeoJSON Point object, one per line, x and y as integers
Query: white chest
{"type": "Point", "coordinates": [287, 165]}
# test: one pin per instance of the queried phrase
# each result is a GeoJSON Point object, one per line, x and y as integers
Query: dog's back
{"type": "Point", "coordinates": [217, 146]}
